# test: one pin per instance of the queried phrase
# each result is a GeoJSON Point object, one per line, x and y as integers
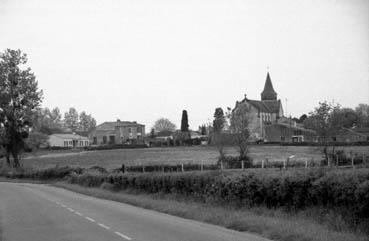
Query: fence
{"type": "Point", "coordinates": [234, 163]}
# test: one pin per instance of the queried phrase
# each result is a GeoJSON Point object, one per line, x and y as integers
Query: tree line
{"type": "Point", "coordinates": [50, 121]}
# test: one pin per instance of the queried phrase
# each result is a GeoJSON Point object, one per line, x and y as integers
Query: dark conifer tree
{"type": "Point", "coordinates": [184, 122]}
{"type": "Point", "coordinates": [219, 120]}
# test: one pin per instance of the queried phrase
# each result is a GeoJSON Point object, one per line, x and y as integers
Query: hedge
{"type": "Point", "coordinates": [346, 190]}
{"type": "Point", "coordinates": [291, 189]}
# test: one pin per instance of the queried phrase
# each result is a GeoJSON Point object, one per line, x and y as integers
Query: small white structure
{"type": "Point", "coordinates": [68, 140]}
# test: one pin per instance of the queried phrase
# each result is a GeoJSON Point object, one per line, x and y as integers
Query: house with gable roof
{"type": "Point", "coordinates": [68, 140]}
{"type": "Point", "coordinates": [117, 132]}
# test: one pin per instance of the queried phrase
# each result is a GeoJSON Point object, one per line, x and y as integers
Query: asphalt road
{"type": "Point", "coordinates": [36, 212]}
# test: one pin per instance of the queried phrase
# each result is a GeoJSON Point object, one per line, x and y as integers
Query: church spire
{"type": "Point", "coordinates": [268, 92]}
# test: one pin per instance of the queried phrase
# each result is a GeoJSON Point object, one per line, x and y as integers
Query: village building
{"type": "Point", "coordinates": [267, 121]}
{"type": "Point", "coordinates": [117, 132]}
{"type": "Point", "coordinates": [68, 141]}
{"type": "Point", "coordinates": [349, 135]}
{"type": "Point", "coordinates": [287, 130]}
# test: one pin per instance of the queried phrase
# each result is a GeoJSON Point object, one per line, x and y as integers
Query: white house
{"type": "Point", "coordinates": [68, 140]}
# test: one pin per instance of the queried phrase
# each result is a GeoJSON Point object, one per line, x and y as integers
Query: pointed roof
{"type": "Point", "coordinates": [268, 92]}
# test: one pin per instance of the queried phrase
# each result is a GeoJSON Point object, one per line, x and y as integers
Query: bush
{"type": "Point", "coordinates": [346, 190]}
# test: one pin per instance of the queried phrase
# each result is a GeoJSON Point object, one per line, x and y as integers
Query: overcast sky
{"type": "Point", "coordinates": [142, 60]}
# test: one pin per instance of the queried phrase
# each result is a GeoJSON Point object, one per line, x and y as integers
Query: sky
{"type": "Point", "coordinates": [139, 60]}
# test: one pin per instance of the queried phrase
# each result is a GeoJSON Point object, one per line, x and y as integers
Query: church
{"type": "Point", "coordinates": [267, 122]}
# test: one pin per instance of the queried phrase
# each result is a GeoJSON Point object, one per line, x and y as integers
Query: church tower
{"type": "Point", "coordinates": [268, 92]}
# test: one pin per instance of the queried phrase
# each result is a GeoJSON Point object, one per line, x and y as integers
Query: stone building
{"type": "Point", "coordinates": [117, 132]}
{"type": "Point", "coordinates": [267, 121]}
{"type": "Point", "coordinates": [263, 112]}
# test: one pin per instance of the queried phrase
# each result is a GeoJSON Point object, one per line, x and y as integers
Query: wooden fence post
{"type": "Point", "coordinates": [221, 165]}
{"type": "Point", "coordinates": [143, 168]}
{"type": "Point", "coordinates": [363, 158]}
{"type": "Point", "coordinates": [306, 163]}
{"type": "Point", "coordinates": [262, 163]}
{"type": "Point", "coordinates": [285, 163]}
{"type": "Point", "coordinates": [182, 167]}
{"type": "Point", "coordinates": [242, 165]}
{"type": "Point", "coordinates": [337, 160]}
{"type": "Point", "coordinates": [352, 161]}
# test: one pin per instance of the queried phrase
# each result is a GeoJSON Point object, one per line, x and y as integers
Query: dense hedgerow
{"type": "Point", "coordinates": [291, 189]}
{"type": "Point", "coordinates": [294, 189]}
{"type": "Point", "coordinates": [42, 174]}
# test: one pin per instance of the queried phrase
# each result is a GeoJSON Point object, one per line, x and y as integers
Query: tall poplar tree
{"type": "Point", "coordinates": [19, 99]}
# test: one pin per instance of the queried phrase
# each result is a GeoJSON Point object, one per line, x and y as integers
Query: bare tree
{"type": "Point", "coordinates": [240, 119]}
{"type": "Point", "coordinates": [326, 122]}
{"type": "Point", "coordinates": [164, 124]}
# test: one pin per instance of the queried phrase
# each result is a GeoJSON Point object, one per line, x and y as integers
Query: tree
{"type": "Point", "coordinates": [217, 137]}
{"type": "Point", "coordinates": [36, 139]}
{"type": "Point", "coordinates": [71, 119]}
{"type": "Point", "coordinates": [219, 120]}
{"type": "Point", "coordinates": [152, 133]}
{"type": "Point", "coordinates": [86, 122]}
{"type": "Point", "coordinates": [323, 120]}
{"type": "Point", "coordinates": [344, 117]}
{"type": "Point", "coordinates": [241, 118]}
{"type": "Point", "coordinates": [55, 117]}
{"type": "Point", "coordinates": [19, 99]}
{"type": "Point", "coordinates": [362, 111]}
{"type": "Point", "coordinates": [164, 124]}
{"type": "Point", "coordinates": [184, 122]}
{"type": "Point", "coordinates": [46, 121]}
{"type": "Point", "coordinates": [202, 130]}
{"type": "Point", "coordinates": [302, 118]}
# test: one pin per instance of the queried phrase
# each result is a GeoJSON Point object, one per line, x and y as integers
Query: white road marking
{"type": "Point", "coordinates": [93, 220]}
{"type": "Point", "coordinates": [78, 213]}
{"type": "Point", "coordinates": [90, 219]}
{"type": "Point", "coordinates": [122, 235]}
{"type": "Point", "coordinates": [104, 226]}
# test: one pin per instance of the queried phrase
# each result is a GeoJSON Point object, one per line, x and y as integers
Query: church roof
{"type": "Point", "coordinates": [266, 106]}
{"type": "Point", "coordinates": [268, 92]}
{"type": "Point", "coordinates": [273, 105]}
{"type": "Point", "coordinates": [260, 105]}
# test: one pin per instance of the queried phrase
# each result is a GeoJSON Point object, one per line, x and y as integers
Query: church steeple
{"type": "Point", "coordinates": [268, 92]}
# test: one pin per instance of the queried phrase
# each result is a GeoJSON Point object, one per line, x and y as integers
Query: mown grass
{"type": "Point", "coordinates": [111, 159]}
{"type": "Point", "coordinates": [274, 224]}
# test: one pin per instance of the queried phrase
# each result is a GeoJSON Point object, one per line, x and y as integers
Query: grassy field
{"type": "Point", "coordinates": [171, 155]}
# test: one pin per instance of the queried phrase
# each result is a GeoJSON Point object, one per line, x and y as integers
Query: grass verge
{"type": "Point", "coordinates": [273, 224]}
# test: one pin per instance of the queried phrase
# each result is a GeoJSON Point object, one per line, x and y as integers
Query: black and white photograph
{"type": "Point", "coordinates": [174, 120]}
